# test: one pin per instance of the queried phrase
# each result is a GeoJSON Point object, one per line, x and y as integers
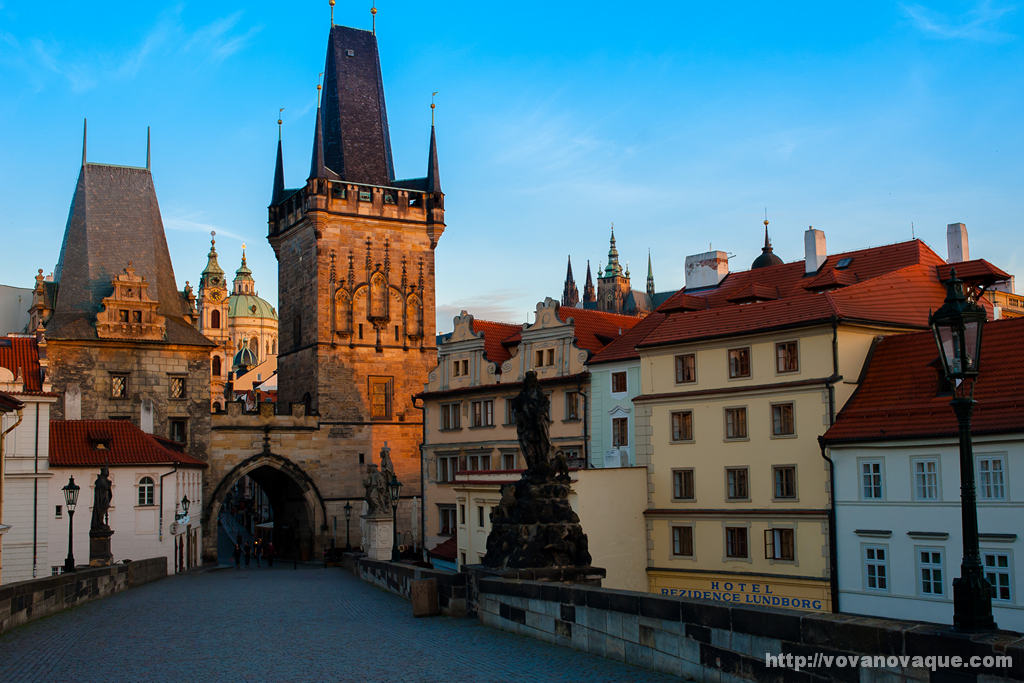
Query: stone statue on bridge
{"type": "Point", "coordinates": [534, 531]}
{"type": "Point", "coordinates": [378, 500]}
{"type": "Point", "coordinates": [101, 501]}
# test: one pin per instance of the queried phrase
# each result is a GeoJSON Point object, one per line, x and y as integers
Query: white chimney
{"type": "Point", "coordinates": [956, 243]}
{"type": "Point", "coordinates": [814, 250]}
{"type": "Point", "coordinates": [706, 270]}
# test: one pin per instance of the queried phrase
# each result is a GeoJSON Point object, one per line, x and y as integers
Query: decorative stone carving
{"type": "Point", "coordinates": [129, 313]}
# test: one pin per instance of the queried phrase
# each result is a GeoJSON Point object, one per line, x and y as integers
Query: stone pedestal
{"type": "Point", "coordinates": [378, 537]}
{"type": "Point", "coordinates": [99, 548]}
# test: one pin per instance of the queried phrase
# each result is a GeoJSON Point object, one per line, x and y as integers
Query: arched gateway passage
{"type": "Point", "coordinates": [294, 509]}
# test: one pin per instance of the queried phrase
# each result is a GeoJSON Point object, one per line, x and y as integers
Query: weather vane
{"type": "Point", "coordinates": [318, 87]}
{"type": "Point", "coordinates": [373, 15]}
{"type": "Point", "coordinates": [332, 13]}
{"type": "Point", "coordinates": [432, 106]}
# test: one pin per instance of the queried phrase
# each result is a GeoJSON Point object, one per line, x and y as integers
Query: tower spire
{"type": "Point", "coordinates": [85, 137]}
{"type": "Point", "coordinates": [570, 294]}
{"type": "Point", "coordinates": [148, 166]}
{"type": "Point", "coordinates": [317, 168]}
{"type": "Point", "coordinates": [433, 172]}
{"type": "Point", "coordinates": [589, 295]}
{"type": "Point", "coordinates": [613, 268]}
{"type": "Point", "coordinates": [650, 276]}
{"type": "Point", "coordinates": [278, 190]}
{"type": "Point", "coordinates": [767, 257]}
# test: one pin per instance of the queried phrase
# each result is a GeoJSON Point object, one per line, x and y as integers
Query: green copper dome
{"type": "Point", "coordinates": [250, 306]}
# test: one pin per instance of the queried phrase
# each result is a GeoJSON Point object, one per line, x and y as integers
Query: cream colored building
{"type": "Point", "coordinates": [739, 379]}
{"type": "Point", "coordinates": [467, 401]}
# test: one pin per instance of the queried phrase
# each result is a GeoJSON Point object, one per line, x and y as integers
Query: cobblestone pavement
{"type": "Point", "coordinates": [281, 624]}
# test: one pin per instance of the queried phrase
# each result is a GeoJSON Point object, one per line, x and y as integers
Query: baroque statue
{"type": "Point", "coordinates": [101, 501]}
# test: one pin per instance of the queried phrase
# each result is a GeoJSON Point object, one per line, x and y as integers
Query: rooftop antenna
{"type": "Point", "coordinates": [279, 122]}
{"type": "Point", "coordinates": [432, 107]}
{"type": "Point", "coordinates": [147, 150]}
{"type": "Point", "coordinates": [332, 13]}
{"type": "Point", "coordinates": [912, 236]}
{"type": "Point", "coordinates": [373, 14]}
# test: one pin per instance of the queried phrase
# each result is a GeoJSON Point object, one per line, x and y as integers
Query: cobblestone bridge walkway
{"type": "Point", "coordinates": [281, 624]}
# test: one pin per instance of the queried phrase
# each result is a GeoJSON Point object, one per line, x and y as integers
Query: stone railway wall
{"type": "Point", "coordinates": [25, 601]}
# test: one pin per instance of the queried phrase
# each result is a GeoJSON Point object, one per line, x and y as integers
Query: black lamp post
{"type": "Point", "coordinates": [348, 518]}
{"type": "Point", "coordinates": [70, 500]}
{"type": "Point", "coordinates": [957, 326]}
{"type": "Point", "coordinates": [394, 488]}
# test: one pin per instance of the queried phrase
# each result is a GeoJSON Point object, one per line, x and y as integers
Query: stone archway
{"type": "Point", "coordinates": [299, 509]}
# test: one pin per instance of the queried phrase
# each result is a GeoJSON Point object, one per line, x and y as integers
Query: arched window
{"type": "Point", "coordinates": [146, 491]}
{"type": "Point", "coordinates": [215, 319]}
{"type": "Point", "coordinates": [215, 366]}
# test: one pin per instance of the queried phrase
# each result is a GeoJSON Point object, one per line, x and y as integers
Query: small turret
{"type": "Point", "coordinates": [767, 257]}
{"type": "Point", "coordinates": [278, 170]}
{"type": "Point", "coordinates": [650, 276]}
{"type": "Point", "coordinates": [589, 295]}
{"type": "Point", "coordinates": [570, 294]}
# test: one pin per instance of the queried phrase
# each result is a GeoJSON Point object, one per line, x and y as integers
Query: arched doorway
{"type": "Point", "coordinates": [287, 509]}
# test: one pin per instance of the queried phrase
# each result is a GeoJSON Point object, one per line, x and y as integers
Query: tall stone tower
{"type": "Point", "coordinates": [213, 319]}
{"type": "Point", "coordinates": [613, 285]}
{"type": "Point", "coordinates": [355, 250]}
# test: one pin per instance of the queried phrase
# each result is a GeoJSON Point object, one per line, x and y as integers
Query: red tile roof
{"type": "Point", "coordinates": [899, 397]}
{"type": "Point", "coordinates": [111, 442]}
{"type": "Point", "coordinates": [978, 271]}
{"type": "Point", "coordinates": [894, 284]}
{"type": "Point", "coordinates": [446, 550]}
{"type": "Point", "coordinates": [22, 354]}
{"type": "Point", "coordinates": [494, 334]}
{"type": "Point", "coordinates": [592, 330]}
{"type": "Point", "coordinates": [624, 348]}
{"type": "Point", "coordinates": [8, 403]}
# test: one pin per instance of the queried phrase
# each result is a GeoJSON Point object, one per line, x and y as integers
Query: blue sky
{"type": "Point", "coordinates": [679, 122]}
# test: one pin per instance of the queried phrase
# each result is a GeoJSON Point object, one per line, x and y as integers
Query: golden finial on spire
{"type": "Point", "coordinates": [373, 15]}
{"type": "Point", "coordinates": [332, 13]}
{"type": "Point", "coordinates": [432, 106]}
{"type": "Point", "coordinates": [279, 122]}
{"type": "Point", "coordinates": [318, 88]}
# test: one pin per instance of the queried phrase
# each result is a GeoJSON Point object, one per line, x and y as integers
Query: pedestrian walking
{"type": "Point", "coordinates": [270, 553]}
{"type": "Point", "coordinates": [248, 553]}
{"type": "Point", "coordinates": [257, 550]}
{"type": "Point", "coordinates": [237, 552]}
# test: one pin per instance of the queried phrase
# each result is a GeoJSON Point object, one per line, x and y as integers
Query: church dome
{"type": "Point", "coordinates": [767, 257]}
{"type": "Point", "coordinates": [250, 306]}
{"type": "Point", "coordinates": [245, 358]}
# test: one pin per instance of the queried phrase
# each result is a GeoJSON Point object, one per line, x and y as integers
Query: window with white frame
{"type": "Point", "coordinates": [476, 462]}
{"type": "Point", "coordinates": [483, 413]}
{"type": "Point", "coordinates": [876, 567]}
{"type": "Point", "coordinates": [620, 431]}
{"type": "Point", "coordinates": [447, 465]}
{"type": "Point", "coordinates": [926, 478]}
{"type": "Point", "coordinates": [992, 477]}
{"type": "Point", "coordinates": [929, 572]}
{"type": "Point", "coordinates": [871, 480]}
{"type": "Point", "coordinates": [146, 486]}
{"type": "Point", "coordinates": [998, 573]}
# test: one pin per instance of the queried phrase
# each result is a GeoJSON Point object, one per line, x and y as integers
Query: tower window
{"type": "Point", "coordinates": [215, 321]}
{"type": "Point", "coordinates": [215, 366]}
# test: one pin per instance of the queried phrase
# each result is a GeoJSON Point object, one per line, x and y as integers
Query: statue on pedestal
{"type": "Point", "coordinates": [378, 501]}
{"type": "Point", "coordinates": [101, 501]}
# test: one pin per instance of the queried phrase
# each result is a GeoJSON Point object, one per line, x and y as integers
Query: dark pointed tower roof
{"type": "Point", "coordinates": [356, 141]}
{"type": "Point", "coordinates": [318, 167]}
{"type": "Point", "coordinates": [433, 173]}
{"type": "Point", "coordinates": [767, 257]}
{"type": "Point", "coordinates": [114, 219]}
{"type": "Point", "coordinates": [570, 294]}
{"type": "Point", "coordinates": [589, 295]}
{"type": "Point", "coordinates": [278, 170]}
{"type": "Point", "coordinates": [650, 275]}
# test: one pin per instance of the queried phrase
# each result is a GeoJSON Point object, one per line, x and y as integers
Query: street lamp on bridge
{"type": "Point", "coordinates": [957, 326]}
{"type": "Point", "coordinates": [70, 490]}
{"type": "Point", "coordinates": [394, 488]}
{"type": "Point", "coordinates": [348, 518]}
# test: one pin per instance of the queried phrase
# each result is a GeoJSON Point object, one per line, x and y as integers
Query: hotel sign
{"type": "Point", "coordinates": [745, 593]}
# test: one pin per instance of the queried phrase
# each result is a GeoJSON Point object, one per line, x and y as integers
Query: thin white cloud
{"type": "Point", "coordinates": [219, 39]}
{"type": "Point", "coordinates": [190, 225]}
{"type": "Point", "coordinates": [980, 23]}
{"type": "Point", "coordinates": [499, 305]}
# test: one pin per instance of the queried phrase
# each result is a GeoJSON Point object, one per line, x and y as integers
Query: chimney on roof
{"type": "Point", "coordinates": [706, 270]}
{"type": "Point", "coordinates": [956, 243]}
{"type": "Point", "coordinates": [814, 250]}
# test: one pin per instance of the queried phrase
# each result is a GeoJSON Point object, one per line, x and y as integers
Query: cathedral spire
{"type": "Point", "coordinates": [613, 268]}
{"type": "Point", "coordinates": [213, 275]}
{"type": "Point", "coordinates": [589, 295]}
{"type": "Point", "coordinates": [279, 167]}
{"type": "Point", "coordinates": [570, 294]}
{"type": "Point", "coordinates": [650, 275]}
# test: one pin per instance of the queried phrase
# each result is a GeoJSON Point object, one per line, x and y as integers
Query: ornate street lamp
{"type": "Point", "coordinates": [184, 505]}
{"type": "Point", "coordinates": [957, 326]}
{"type": "Point", "coordinates": [394, 488]}
{"type": "Point", "coordinates": [348, 518]}
{"type": "Point", "coordinates": [70, 500]}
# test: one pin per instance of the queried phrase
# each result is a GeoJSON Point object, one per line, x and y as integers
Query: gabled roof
{"type": "Point", "coordinates": [624, 348]}
{"type": "Point", "coordinates": [596, 329]}
{"type": "Point", "coordinates": [978, 272]}
{"type": "Point", "coordinates": [494, 334]}
{"type": "Point", "coordinates": [894, 284]}
{"type": "Point", "coordinates": [83, 443]}
{"type": "Point", "coordinates": [114, 219]}
{"type": "Point", "coordinates": [21, 355]}
{"type": "Point", "coordinates": [902, 395]}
